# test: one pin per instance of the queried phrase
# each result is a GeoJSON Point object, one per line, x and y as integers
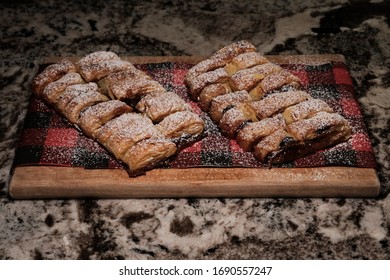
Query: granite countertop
{"type": "Point", "coordinates": [193, 228]}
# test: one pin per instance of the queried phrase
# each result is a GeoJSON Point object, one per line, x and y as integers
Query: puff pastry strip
{"type": "Point", "coordinates": [181, 124]}
{"type": "Point", "coordinates": [251, 134]}
{"type": "Point", "coordinates": [278, 121]}
{"type": "Point", "coordinates": [76, 98]}
{"type": "Point", "coordinates": [94, 117]}
{"type": "Point", "coordinates": [147, 154]}
{"type": "Point", "coordinates": [50, 74]}
{"type": "Point", "coordinates": [224, 102]}
{"type": "Point", "coordinates": [97, 65]}
{"type": "Point", "coordinates": [220, 58]}
{"type": "Point", "coordinates": [277, 102]}
{"type": "Point", "coordinates": [53, 90]}
{"type": "Point", "coordinates": [130, 136]}
{"type": "Point", "coordinates": [158, 105]}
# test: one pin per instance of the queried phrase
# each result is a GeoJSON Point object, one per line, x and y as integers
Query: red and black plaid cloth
{"type": "Point", "coordinates": [49, 140]}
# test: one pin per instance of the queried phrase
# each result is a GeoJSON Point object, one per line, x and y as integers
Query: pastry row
{"type": "Point", "coordinates": [262, 106]}
{"type": "Point", "coordinates": [94, 94]}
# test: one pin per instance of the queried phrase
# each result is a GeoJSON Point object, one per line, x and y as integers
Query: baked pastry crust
{"type": "Point", "coordinates": [121, 133]}
{"type": "Point", "coordinates": [158, 105]}
{"type": "Point", "coordinates": [147, 154]}
{"type": "Point", "coordinates": [235, 119]}
{"type": "Point", "coordinates": [279, 80]}
{"type": "Point", "coordinates": [210, 92]}
{"type": "Point", "coordinates": [276, 143]}
{"type": "Point", "coordinates": [224, 102]}
{"type": "Point", "coordinates": [50, 74]}
{"type": "Point", "coordinates": [320, 124]}
{"type": "Point", "coordinates": [98, 65]}
{"type": "Point", "coordinates": [94, 117]}
{"type": "Point", "coordinates": [247, 79]}
{"type": "Point", "coordinates": [244, 61]}
{"type": "Point", "coordinates": [198, 83]}
{"type": "Point", "coordinates": [220, 58]}
{"type": "Point", "coordinates": [181, 124]}
{"type": "Point", "coordinates": [276, 120]}
{"type": "Point", "coordinates": [76, 98]}
{"type": "Point", "coordinates": [129, 134]}
{"type": "Point", "coordinates": [53, 90]}
{"type": "Point", "coordinates": [277, 103]}
{"type": "Point", "coordinates": [305, 109]}
{"type": "Point", "coordinates": [253, 132]}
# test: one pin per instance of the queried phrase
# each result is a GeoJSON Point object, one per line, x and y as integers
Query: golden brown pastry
{"type": "Point", "coordinates": [223, 102]}
{"type": "Point", "coordinates": [121, 133]}
{"type": "Point", "coordinates": [244, 61]}
{"type": "Point", "coordinates": [253, 132]}
{"type": "Point", "coordinates": [320, 124]}
{"type": "Point", "coordinates": [270, 115]}
{"type": "Point", "coordinates": [305, 109]}
{"type": "Point", "coordinates": [229, 52]}
{"type": "Point", "coordinates": [53, 90]}
{"type": "Point", "coordinates": [310, 135]}
{"type": "Point", "coordinates": [94, 117]}
{"type": "Point", "coordinates": [274, 144]}
{"type": "Point", "coordinates": [130, 135]}
{"type": "Point", "coordinates": [158, 105]}
{"type": "Point", "coordinates": [181, 124]}
{"type": "Point", "coordinates": [113, 78]}
{"type": "Point", "coordinates": [98, 65]}
{"type": "Point", "coordinates": [277, 81]}
{"type": "Point", "coordinates": [219, 59]}
{"type": "Point", "coordinates": [147, 154]}
{"type": "Point", "coordinates": [235, 118]}
{"type": "Point", "coordinates": [247, 79]}
{"type": "Point", "coordinates": [198, 83]}
{"type": "Point", "coordinates": [76, 98]}
{"type": "Point", "coordinates": [210, 92]}
{"type": "Point", "coordinates": [277, 102]}
{"type": "Point", "coordinates": [50, 74]}
{"type": "Point", "coordinates": [133, 89]}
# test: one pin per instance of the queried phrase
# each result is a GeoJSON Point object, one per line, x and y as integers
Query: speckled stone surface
{"type": "Point", "coordinates": [195, 228]}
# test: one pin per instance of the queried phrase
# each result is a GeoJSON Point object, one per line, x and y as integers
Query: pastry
{"type": "Point", "coordinates": [90, 94]}
{"type": "Point", "coordinates": [198, 83]}
{"type": "Point", "coordinates": [274, 144]}
{"type": "Point", "coordinates": [50, 74]}
{"type": "Point", "coordinates": [280, 80]}
{"type": "Point", "coordinates": [129, 85]}
{"type": "Point", "coordinates": [98, 65]}
{"type": "Point", "coordinates": [158, 105]}
{"type": "Point", "coordinates": [322, 123]}
{"type": "Point", "coordinates": [181, 124]}
{"type": "Point", "coordinates": [247, 79]}
{"type": "Point", "coordinates": [305, 110]}
{"type": "Point", "coordinates": [76, 98]}
{"type": "Point", "coordinates": [210, 92]}
{"type": "Point", "coordinates": [221, 103]}
{"type": "Point", "coordinates": [261, 105]}
{"type": "Point", "coordinates": [244, 61]}
{"type": "Point", "coordinates": [94, 117]}
{"type": "Point", "coordinates": [220, 58]}
{"type": "Point", "coordinates": [277, 102]}
{"type": "Point", "coordinates": [147, 154]}
{"type": "Point", "coordinates": [121, 133]}
{"type": "Point", "coordinates": [53, 90]}
{"type": "Point", "coordinates": [236, 118]}
{"type": "Point", "coordinates": [251, 134]}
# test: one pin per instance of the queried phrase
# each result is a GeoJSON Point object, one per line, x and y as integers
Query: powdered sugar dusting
{"type": "Point", "coordinates": [50, 74]}
{"type": "Point", "coordinates": [277, 102]}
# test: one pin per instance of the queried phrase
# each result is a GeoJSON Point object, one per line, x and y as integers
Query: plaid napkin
{"type": "Point", "coordinates": [47, 139]}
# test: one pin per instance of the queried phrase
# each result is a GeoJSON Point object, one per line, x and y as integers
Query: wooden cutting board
{"type": "Point", "coordinates": [33, 182]}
